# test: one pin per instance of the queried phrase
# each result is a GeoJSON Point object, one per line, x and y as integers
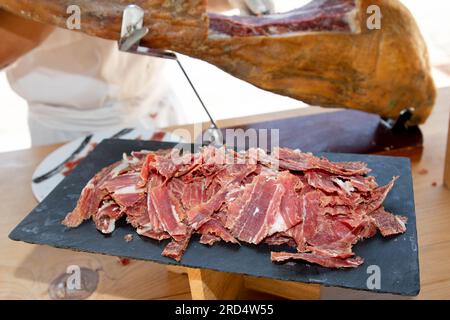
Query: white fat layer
{"type": "Point", "coordinates": [346, 186]}
{"type": "Point", "coordinates": [111, 227]}
{"type": "Point", "coordinates": [400, 222]}
{"type": "Point", "coordinates": [255, 212]}
{"type": "Point", "coordinates": [273, 30]}
{"type": "Point", "coordinates": [278, 225]}
{"type": "Point", "coordinates": [106, 204]}
{"type": "Point", "coordinates": [144, 229]}
{"type": "Point", "coordinates": [115, 172]}
{"type": "Point", "coordinates": [304, 210]}
{"type": "Point", "coordinates": [129, 160]}
{"type": "Point", "coordinates": [217, 35]}
{"type": "Point", "coordinates": [175, 214]}
{"type": "Point", "coordinates": [127, 190]}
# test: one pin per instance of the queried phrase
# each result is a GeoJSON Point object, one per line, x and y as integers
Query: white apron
{"type": "Point", "coordinates": [76, 84]}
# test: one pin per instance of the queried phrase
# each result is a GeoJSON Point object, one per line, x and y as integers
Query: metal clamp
{"type": "Point", "coordinates": [132, 32]}
{"type": "Point", "coordinates": [399, 124]}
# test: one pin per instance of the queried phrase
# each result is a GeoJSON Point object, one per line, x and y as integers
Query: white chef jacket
{"type": "Point", "coordinates": [76, 84]}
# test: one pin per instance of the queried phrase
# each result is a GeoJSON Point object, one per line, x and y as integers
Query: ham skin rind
{"type": "Point", "coordinates": [301, 65]}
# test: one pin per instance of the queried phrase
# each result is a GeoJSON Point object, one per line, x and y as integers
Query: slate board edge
{"type": "Point", "coordinates": [180, 264]}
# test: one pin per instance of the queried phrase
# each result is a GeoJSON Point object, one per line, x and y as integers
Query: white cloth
{"type": "Point", "coordinates": [76, 84]}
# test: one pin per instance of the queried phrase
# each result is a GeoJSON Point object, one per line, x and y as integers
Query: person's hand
{"type": "Point", "coordinates": [18, 36]}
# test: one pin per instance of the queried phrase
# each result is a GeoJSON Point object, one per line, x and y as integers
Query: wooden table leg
{"type": "Point", "coordinates": [447, 161]}
{"type": "Point", "coordinates": [214, 285]}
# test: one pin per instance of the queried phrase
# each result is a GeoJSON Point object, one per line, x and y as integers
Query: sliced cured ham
{"type": "Point", "coordinates": [92, 195]}
{"type": "Point", "coordinates": [266, 206]}
{"type": "Point", "coordinates": [106, 217]}
{"type": "Point", "coordinates": [323, 260]}
{"type": "Point", "coordinates": [319, 208]}
{"type": "Point", "coordinates": [166, 213]}
{"type": "Point", "coordinates": [216, 229]}
{"type": "Point", "coordinates": [387, 223]}
{"type": "Point", "coordinates": [176, 248]}
{"type": "Point", "coordinates": [209, 239]}
{"type": "Point", "coordinates": [295, 160]}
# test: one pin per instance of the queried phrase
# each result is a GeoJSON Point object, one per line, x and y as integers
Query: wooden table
{"type": "Point", "coordinates": [26, 270]}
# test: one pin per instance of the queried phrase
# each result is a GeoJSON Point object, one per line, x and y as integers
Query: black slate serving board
{"type": "Point", "coordinates": [396, 257]}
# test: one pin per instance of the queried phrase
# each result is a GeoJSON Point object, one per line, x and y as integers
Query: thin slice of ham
{"type": "Point", "coordinates": [91, 197]}
{"type": "Point", "coordinates": [216, 228]}
{"type": "Point", "coordinates": [106, 217]}
{"type": "Point", "coordinates": [296, 160]}
{"type": "Point", "coordinates": [325, 261]}
{"type": "Point", "coordinates": [124, 189]}
{"type": "Point", "coordinates": [266, 206]}
{"type": "Point", "coordinates": [166, 213]}
{"type": "Point", "coordinates": [387, 223]}
{"type": "Point", "coordinates": [176, 248]}
{"type": "Point", "coordinates": [279, 239]}
{"type": "Point", "coordinates": [209, 239]}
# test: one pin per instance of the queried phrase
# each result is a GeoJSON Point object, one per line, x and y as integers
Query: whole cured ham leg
{"type": "Point", "coordinates": [323, 54]}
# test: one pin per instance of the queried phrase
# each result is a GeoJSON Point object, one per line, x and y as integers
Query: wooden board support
{"type": "Point", "coordinates": [447, 161]}
{"type": "Point", "coordinates": [284, 289]}
{"type": "Point", "coordinates": [207, 284]}
{"type": "Point", "coordinates": [177, 269]}
{"type": "Point", "coordinates": [214, 285]}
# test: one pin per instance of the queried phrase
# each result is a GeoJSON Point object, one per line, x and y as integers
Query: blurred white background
{"type": "Point", "coordinates": [228, 97]}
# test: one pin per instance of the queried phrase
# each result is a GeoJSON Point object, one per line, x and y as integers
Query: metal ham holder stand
{"type": "Point", "coordinates": [132, 32]}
